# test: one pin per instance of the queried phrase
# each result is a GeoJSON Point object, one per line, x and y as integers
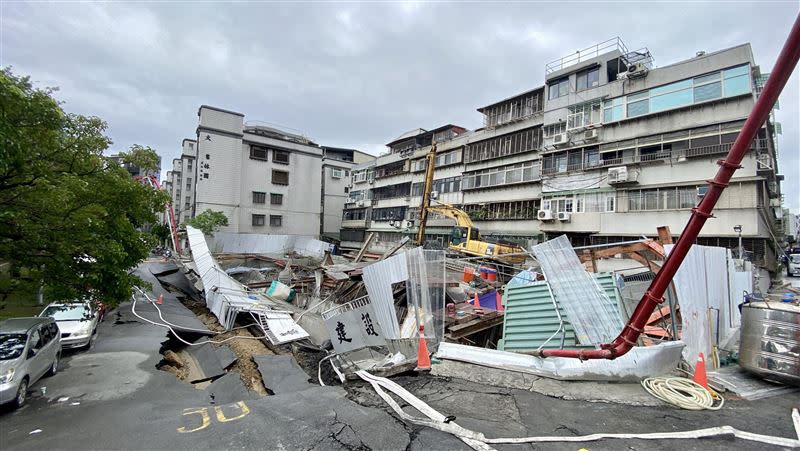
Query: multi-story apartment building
{"type": "Point", "coordinates": [268, 180]}
{"type": "Point", "coordinates": [180, 182]}
{"type": "Point", "coordinates": [607, 150]}
{"type": "Point", "coordinates": [337, 165]}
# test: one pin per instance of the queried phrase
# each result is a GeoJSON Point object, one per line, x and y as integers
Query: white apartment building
{"type": "Point", "coordinates": [607, 150]}
{"type": "Point", "coordinates": [180, 182]}
{"type": "Point", "coordinates": [267, 180]}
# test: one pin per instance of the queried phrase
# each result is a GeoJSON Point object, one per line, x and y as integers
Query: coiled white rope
{"type": "Point", "coordinates": [682, 392]}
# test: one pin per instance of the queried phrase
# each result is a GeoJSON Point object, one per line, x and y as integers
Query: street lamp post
{"type": "Point", "coordinates": [738, 229]}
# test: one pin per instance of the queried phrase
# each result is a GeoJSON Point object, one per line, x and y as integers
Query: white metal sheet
{"type": "Point", "coordinates": [638, 363]}
{"type": "Point", "coordinates": [353, 326]}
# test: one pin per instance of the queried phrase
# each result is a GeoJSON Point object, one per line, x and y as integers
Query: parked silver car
{"type": "Point", "coordinates": [29, 349]}
{"type": "Point", "coordinates": [76, 320]}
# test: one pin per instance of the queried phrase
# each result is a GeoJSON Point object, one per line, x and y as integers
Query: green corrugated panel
{"type": "Point", "coordinates": [530, 318]}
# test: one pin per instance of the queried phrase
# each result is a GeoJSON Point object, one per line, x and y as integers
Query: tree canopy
{"type": "Point", "coordinates": [209, 221]}
{"type": "Point", "coordinates": [70, 217]}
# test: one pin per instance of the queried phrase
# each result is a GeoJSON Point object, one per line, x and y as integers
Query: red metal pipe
{"type": "Point", "coordinates": [784, 66]}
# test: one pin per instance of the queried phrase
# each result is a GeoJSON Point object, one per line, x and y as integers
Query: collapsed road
{"type": "Point", "coordinates": [115, 397]}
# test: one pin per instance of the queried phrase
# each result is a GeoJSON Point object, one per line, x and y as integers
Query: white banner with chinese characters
{"type": "Point", "coordinates": [353, 326]}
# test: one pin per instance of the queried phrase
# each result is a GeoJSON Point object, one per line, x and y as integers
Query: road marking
{"type": "Point", "coordinates": [219, 413]}
{"type": "Point", "coordinates": [203, 412]}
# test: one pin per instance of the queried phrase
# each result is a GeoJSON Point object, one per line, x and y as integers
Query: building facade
{"type": "Point", "coordinates": [268, 180]}
{"type": "Point", "coordinates": [609, 149]}
{"type": "Point", "coordinates": [181, 182]}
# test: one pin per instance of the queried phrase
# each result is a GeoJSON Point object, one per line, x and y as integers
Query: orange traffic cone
{"type": "Point", "coordinates": [476, 302]}
{"type": "Point", "coordinates": [498, 302]}
{"type": "Point", "coordinates": [423, 356]}
{"type": "Point", "coordinates": [160, 299]}
{"type": "Point", "coordinates": [700, 376]}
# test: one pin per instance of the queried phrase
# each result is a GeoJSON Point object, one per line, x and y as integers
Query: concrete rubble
{"type": "Point", "coordinates": [342, 318]}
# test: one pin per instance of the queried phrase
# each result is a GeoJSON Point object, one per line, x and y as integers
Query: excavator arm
{"type": "Point", "coordinates": [461, 217]}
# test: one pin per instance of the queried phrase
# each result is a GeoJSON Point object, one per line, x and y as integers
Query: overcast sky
{"type": "Point", "coordinates": [352, 74]}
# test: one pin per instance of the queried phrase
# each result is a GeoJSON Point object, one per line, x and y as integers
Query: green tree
{"type": "Point", "coordinates": [143, 157]}
{"type": "Point", "coordinates": [69, 217]}
{"type": "Point", "coordinates": [209, 221]}
{"type": "Point", "coordinates": [162, 233]}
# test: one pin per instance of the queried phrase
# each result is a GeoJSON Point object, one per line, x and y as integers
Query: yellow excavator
{"type": "Point", "coordinates": [466, 238]}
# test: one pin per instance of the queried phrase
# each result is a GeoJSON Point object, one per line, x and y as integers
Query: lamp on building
{"type": "Point", "coordinates": [738, 229]}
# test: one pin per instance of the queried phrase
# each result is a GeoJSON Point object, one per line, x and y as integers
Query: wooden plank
{"type": "Point", "coordinates": [395, 248]}
{"type": "Point", "coordinates": [664, 235]}
{"type": "Point", "coordinates": [364, 247]}
{"type": "Point", "coordinates": [475, 326]}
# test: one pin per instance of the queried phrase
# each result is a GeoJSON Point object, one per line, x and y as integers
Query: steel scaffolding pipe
{"type": "Point", "coordinates": [787, 60]}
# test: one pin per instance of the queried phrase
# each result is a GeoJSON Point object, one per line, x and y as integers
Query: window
{"type": "Point", "coordinates": [186, 218]}
{"type": "Point", "coordinates": [510, 144]}
{"type": "Point", "coordinates": [189, 183]}
{"type": "Point", "coordinates": [191, 146]}
{"type": "Point", "coordinates": [205, 176]}
{"type": "Point", "coordinates": [256, 153]}
{"type": "Point", "coordinates": [275, 199]}
{"type": "Point", "coordinates": [587, 79]}
{"type": "Point", "coordinates": [280, 156]}
{"type": "Point", "coordinates": [388, 214]}
{"type": "Point", "coordinates": [504, 175]}
{"type": "Point", "coordinates": [280, 177]}
{"type": "Point", "coordinates": [715, 85]}
{"type": "Point", "coordinates": [258, 220]}
{"type": "Point", "coordinates": [558, 88]}
{"type": "Point", "coordinates": [275, 220]}
{"type": "Point", "coordinates": [337, 173]}
{"type": "Point", "coordinates": [355, 215]}
{"type": "Point", "coordinates": [610, 203]}
{"type": "Point", "coordinates": [189, 165]}
{"type": "Point", "coordinates": [208, 157]}
{"type": "Point", "coordinates": [259, 197]}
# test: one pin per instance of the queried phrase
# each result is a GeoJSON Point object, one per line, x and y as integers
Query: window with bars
{"type": "Point", "coordinates": [259, 197]}
{"type": "Point", "coordinates": [358, 214]}
{"type": "Point", "coordinates": [275, 199]}
{"type": "Point", "coordinates": [501, 146]}
{"type": "Point", "coordinates": [257, 153]}
{"type": "Point", "coordinates": [258, 220]}
{"type": "Point", "coordinates": [280, 177]}
{"type": "Point", "coordinates": [275, 220]}
{"type": "Point", "coordinates": [521, 209]}
{"type": "Point", "coordinates": [448, 185]}
{"type": "Point", "coordinates": [280, 156]}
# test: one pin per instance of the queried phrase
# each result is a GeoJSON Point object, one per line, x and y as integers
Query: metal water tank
{"type": "Point", "coordinates": [770, 341]}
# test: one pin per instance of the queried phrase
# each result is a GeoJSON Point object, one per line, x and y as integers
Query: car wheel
{"type": "Point", "coordinates": [54, 368]}
{"type": "Point", "coordinates": [22, 393]}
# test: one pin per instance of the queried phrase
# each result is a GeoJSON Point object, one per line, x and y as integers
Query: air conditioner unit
{"type": "Point", "coordinates": [637, 70]}
{"type": "Point", "coordinates": [544, 215]}
{"type": "Point", "coordinates": [434, 194]}
{"type": "Point", "coordinates": [560, 139]}
{"type": "Point", "coordinates": [563, 216]}
{"type": "Point", "coordinates": [617, 175]}
{"type": "Point", "coordinates": [591, 134]}
{"type": "Point", "coordinates": [701, 191]}
{"type": "Point", "coordinates": [360, 203]}
{"type": "Point", "coordinates": [371, 181]}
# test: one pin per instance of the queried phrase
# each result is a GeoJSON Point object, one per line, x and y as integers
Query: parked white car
{"type": "Point", "coordinates": [77, 322]}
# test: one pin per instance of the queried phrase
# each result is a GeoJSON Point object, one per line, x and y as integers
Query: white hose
{"type": "Point", "coordinates": [682, 392]}
{"type": "Point", "coordinates": [473, 438]}
{"type": "Point", "coordinates": [133, 310]}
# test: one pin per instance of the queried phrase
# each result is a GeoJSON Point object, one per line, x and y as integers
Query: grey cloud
{"type": "Point", "coordinates": [352, 74]}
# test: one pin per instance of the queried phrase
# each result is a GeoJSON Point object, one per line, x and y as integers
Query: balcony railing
{"type": "Point", "coordinates": [715, 149]}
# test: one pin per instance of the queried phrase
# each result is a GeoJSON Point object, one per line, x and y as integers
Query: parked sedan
{"type": "Point", "coordinates": [29, 349]}
{"type": "Point", "coordinates": [77, 322]}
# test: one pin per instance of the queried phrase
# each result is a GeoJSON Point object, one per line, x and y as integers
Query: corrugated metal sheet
{"type": "Point", "coordinates": [225, 297]}
{"type": "Point", "coordinates": [378, 279]}
{"type": "Point", "coordinates": [587, 305]}
{"type": "Point", "coordinates": [530, 317]}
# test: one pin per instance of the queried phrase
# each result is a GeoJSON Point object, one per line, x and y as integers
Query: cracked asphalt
{"type": "Point", "coordinates": [117, 399]}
